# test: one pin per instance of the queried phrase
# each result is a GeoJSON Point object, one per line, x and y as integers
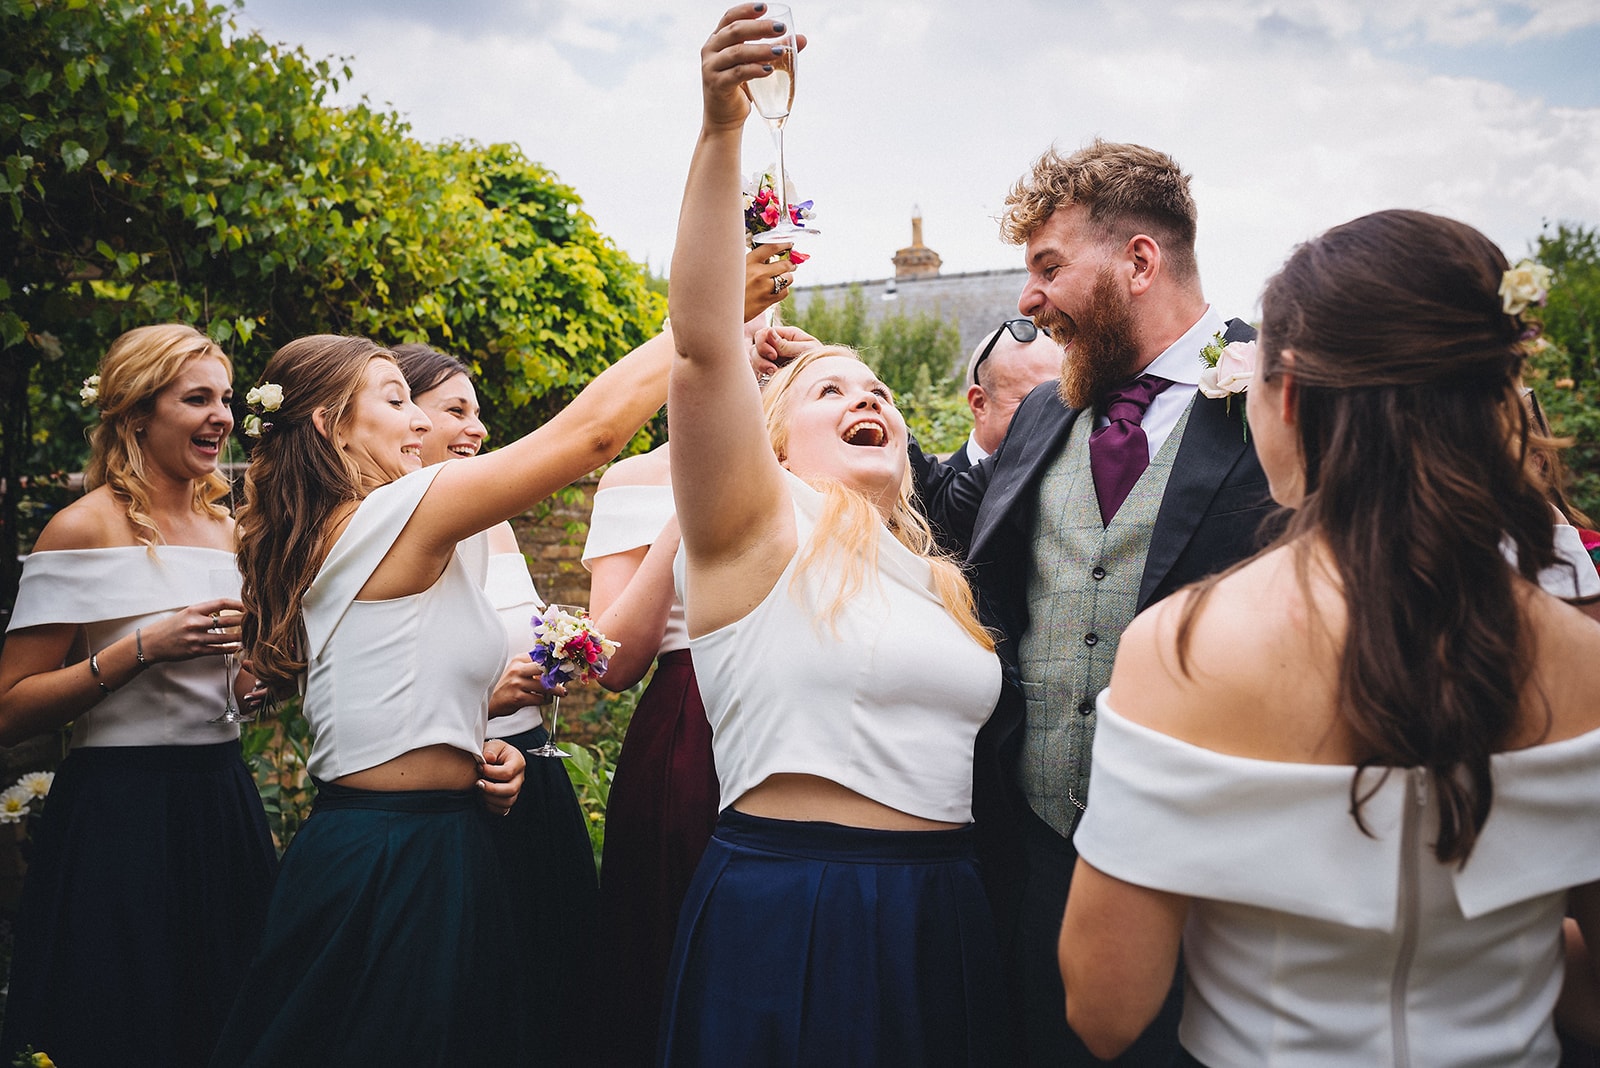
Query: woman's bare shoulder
{"type": "Point", "coordinates": [97, 520]}
{"type": "Point", "coordinates": [653, 468]}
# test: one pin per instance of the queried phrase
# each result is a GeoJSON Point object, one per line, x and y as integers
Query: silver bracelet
{"type": "Point", "coordinates": [138, 646]}
{"type": "Point", "coordinates": [94, 669]}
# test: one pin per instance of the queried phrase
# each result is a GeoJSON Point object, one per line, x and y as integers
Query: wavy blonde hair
{"type": "Point", "coordinates": [845, 544]}
{"type": "Point", "coordinates": [137, 367]}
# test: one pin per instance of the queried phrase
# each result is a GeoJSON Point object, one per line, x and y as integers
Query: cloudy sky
{"type": "Point", "coordinates": [1292, 115]}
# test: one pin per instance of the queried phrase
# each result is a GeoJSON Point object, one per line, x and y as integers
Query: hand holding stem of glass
{"type": "Point", "coordinates": [772, 95]}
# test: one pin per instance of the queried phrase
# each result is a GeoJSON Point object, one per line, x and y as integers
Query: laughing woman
{"type": "Point", "coordinates": [845, 676]}
{"type": "Point", "coordinates": [543, 843]}
{"type": "Point", "coordinates": [389, 938]}
{"type": "Point", "coordinates": [150, 877]}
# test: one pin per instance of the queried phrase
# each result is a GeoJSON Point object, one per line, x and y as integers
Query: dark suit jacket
{"type": "Point", "coordinates": [958, 461]}
{"type": "Point", "coordinates": [1211, 517]}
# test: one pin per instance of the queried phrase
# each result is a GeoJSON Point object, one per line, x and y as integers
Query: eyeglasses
{"type": "Point", "coordinates": [1023, 330]}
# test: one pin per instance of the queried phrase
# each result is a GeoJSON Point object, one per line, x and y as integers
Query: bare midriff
{"type": "Point", "coordinates": [815, 799]}
{"type": "Point", "coordinates": [434, 767]}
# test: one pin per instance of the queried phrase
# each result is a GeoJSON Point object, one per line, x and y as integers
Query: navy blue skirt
{"type": "Point", "coordinates": [544, 853]}
{"type": "Point", "coordinates": [812, 943]}
{"type": "Point", "coordinates": [144, 901]}
{"type": "Point", "coordinates": [388, 940]}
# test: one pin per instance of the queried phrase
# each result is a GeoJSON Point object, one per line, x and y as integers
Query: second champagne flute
{"type": "Point", "coordinates": [224, 582]}
{"type": "Point", "coordinates": [772, 96]}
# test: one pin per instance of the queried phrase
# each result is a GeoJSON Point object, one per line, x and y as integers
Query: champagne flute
{"type": "Point", "coordinates": [548, 749]}
{"type": "Point", "coordinates": [772, 95]}
{"type": "Point", "coordinates": [224, 582]}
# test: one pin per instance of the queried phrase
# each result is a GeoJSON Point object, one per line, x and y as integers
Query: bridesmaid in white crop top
{"type": "Point", "coordinates": [149, 881]}
{"type": "Point", "coordinates": [1355, 776]}
{"type": "Point", "coordinates": [543, 843]}
{"type": "Point", "coordinates": [836, 916]}
{"type": "Point", "coordinates": [389, 932]}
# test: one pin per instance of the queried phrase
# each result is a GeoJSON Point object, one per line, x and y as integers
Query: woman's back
{"type": "Point", "coordinates": [1312, 940]}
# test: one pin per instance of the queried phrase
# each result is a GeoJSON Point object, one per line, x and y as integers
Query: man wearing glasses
{"type": "Point", "coordinates": [1004, 368]}
{"type": "Point", "coordinates": [1076, 524]}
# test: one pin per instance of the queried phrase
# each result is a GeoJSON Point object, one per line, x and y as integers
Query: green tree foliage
{"type": "Point", "coordinates": [158, 165]}
{"type": "Point", "coordinates": [1566, 374]}
{"type": "Point", "coordinates": [912, 354]}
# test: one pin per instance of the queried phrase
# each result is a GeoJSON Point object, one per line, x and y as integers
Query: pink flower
{"type": "Point", "coordinates": [1233, 372]}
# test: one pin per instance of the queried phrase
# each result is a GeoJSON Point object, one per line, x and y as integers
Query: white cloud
{"type": "Point", "coordinates": [1291, 114]}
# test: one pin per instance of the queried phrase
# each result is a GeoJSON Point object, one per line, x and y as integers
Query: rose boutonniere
{"type": "Point", "coordinates": [1229, 367]}
{"type": "Point", "coordinates": [761, 207]}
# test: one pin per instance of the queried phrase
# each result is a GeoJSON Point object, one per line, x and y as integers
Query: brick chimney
{"type": "Point", "coordinates": [917, 260]}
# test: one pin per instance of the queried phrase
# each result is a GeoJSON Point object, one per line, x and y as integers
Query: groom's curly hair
{"type": "Point", "coordinates": [1127, 189]}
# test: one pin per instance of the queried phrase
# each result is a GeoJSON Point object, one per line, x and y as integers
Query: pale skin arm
{"type": "Point", "coordinates": [733, 506]}
{"type": "Point", "coordinates": [631, 596]}
{"type": "Point", "coordinates": [500, 775]}
{"type": "Point", "coordinates": [1118, 951]}
{"type": "Point", "coordinates": [473, 494]}
{"type": "Point", "coordinates": [38, 693]}
{"type": "Point", "coordinates": [1578, 1010]}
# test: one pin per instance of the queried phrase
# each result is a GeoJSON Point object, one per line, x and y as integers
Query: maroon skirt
{"type": "Point", "coordinates": [662, 810]}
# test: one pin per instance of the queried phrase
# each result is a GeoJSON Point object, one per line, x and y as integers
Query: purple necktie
{"type": "Point", "coordinates": [1119, 452]}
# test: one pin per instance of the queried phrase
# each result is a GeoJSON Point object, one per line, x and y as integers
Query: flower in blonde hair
{"type": "Point", "coordinates": [90, 393]}
{"type": "Point", "coordinates": [1527, 284]}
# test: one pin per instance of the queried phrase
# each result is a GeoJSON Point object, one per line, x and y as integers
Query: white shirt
{"type": "Point", "coordinates": [975, 452]}
{"type": "Point", "coordinates": [1179, 363]}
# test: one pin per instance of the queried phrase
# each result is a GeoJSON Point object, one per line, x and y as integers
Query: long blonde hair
{"type": "Point", "coordinates": [137, 366]}
{"type": "Point", "coordinates": [845, 544]}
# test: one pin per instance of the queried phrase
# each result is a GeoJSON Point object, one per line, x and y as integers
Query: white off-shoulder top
{"type": "Point", "coordinates": [110, 592]}
{"type": "Point", "coordinates": [630, 517]}
{"type": "Point", "coordinates": [886, 702]}
{"type": "Point", "coordinates": [387, 677]}
{"type": "Point", "coordinates": [1310, 943]}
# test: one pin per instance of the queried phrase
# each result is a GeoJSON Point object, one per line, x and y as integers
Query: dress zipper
{"type": "Point", "coordinates": [1410, 864]}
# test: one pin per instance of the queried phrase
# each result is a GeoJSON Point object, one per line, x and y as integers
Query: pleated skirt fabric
{"type": "Point", "coordinates": [548, 864]}
{"type": "Point", "coordinates": [660, 815]}
{"type": "Point", "coordinates": [806, 944]}
{"type": "Point", "coordinates": [388, 941]}
{"type": "Point", "coordinates": [144, 901]}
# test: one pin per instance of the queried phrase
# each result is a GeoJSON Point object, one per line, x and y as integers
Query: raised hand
{"type": "Point", "coordinates": [729, 59]}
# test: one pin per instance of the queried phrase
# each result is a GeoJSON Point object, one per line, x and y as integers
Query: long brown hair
{"type": "Point", "coordinates": [1415, 450]}
{"type": "Point", "coordinates": [137, 366]}
{"type": "Point", "coordinates": [297, 480]}
{"type": "Point", "coordinates": [845, 545]}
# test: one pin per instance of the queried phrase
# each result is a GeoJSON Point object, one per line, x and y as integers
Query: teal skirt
{"type": "Point", "coordinates": [388, 940]}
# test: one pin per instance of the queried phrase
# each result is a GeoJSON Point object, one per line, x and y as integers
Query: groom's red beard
{"type": "Point", "coordinates": [1099, 343]}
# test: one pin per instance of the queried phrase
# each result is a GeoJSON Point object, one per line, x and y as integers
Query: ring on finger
{"type": "Point", "coordinates": [784, 281]}
{"type": "Point", "coordinates": [777, 284]}
{"type": "Point", "coordinates": [216, 621]}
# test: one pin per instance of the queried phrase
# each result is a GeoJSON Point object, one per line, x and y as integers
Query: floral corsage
{"type": "Point", "coordinates": [267, 398]}
{"type": "Point", "coordinates": [568, 647]}
{"type": "Point", "coordinates": [761, 208]}
{"type": "Point", "coordinates": [1229, 367]}
{"type": "Point", "coordinates": [90, 393]}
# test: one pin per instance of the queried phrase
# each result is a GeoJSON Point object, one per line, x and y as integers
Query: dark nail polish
{"type": "Point", "coordinates": [777, 27]}
{"type": "Point", "coordinates": [760, 8]}
{"type": "Point", "coordinates": [767, 67]}
{"type": "Point", "coordinates": [777, 50]}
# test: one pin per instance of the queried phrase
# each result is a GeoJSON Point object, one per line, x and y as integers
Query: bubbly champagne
{"type": "Point", "coordinates": [773, 94]}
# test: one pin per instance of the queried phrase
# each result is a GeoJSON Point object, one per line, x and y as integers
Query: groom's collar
{"type": "Point", "coordinates": [1180, 361]}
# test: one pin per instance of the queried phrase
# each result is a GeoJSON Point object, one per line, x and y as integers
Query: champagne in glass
{"type": "Point", "coordinates": [224, 582]}
{"type": "Point", "coordinates": [772, 95]}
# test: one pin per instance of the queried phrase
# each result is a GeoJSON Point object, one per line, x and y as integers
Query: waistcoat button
{"type": "Point", "coordinates": [1090, 638]}
{"type": "Point", "coordinates": [1098, 573]}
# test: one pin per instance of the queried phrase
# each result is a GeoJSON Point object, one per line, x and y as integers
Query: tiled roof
{"type": "Point", "coordinates": [978, 301]}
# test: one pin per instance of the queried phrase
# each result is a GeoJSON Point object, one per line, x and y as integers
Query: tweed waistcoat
{"type": "Point", "coordinates": [1083, 590]}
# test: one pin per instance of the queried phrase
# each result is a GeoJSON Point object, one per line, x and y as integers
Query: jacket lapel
{"type": "Point", "coordinates": [1038, 432]}
{"type": "Point", "coordinates": [1211, 446]}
